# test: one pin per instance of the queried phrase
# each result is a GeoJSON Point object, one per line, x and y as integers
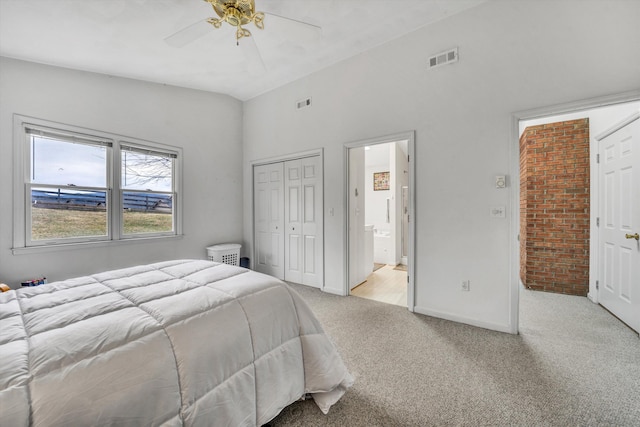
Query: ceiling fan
{"type": "Point", "coordinates": [236, 13]}
{"type": "Point", "coordinates": [239, 13]}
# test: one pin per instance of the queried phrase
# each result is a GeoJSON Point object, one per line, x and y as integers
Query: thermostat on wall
{"type": "Point", "coordinates": [501, 181]}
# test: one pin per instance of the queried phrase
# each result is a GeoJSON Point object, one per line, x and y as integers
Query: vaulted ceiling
{"type": "Point", "coordinates": [127, 38]}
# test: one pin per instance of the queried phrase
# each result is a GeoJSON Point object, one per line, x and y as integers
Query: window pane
{"type": "Point", "coordinates": [67, 163]}
{"type": "Point", "coordinates": [141, 171]}
{"type": "Point", "coordinates": [64, 213]}
{"type": "Point", "coordinates": [147, 212]}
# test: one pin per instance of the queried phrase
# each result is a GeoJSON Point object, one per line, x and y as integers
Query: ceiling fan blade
{"type": "Point", "coordinates": [189, 34]}
{"type": "Point", "coordinates": [301, 30]}
{"type": "Point", "coordinates": [255, 64]}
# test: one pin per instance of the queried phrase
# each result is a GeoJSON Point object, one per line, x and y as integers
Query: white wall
{"type": "Point", "coordinates": [207, 126]}
{"type": "Point", "coordinates": [514, 56]}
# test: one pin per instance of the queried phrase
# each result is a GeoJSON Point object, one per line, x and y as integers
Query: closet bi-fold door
{"type": "Point", "coordinates": [268, 202]}
{"type": "Point", "coordinates": [303, 201]}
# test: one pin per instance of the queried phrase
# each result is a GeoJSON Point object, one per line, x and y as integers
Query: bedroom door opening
{"type": "Point", "coordinates": [567, 168]}
{"type": "Point", "coordinates": [379, 245]}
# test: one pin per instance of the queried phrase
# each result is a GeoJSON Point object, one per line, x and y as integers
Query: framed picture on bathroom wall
{"type": "Point", "coordinates": [380, 181]}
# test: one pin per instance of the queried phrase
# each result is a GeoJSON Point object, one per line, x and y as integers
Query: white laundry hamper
{"type": "Point", "coordinates": [226, 253]}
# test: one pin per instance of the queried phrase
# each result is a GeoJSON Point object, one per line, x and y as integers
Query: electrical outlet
{"type": "Point", "coordinates": [466, 285]}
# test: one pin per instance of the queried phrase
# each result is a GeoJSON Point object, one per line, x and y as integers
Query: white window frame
{"type": "Point", "coordinates": [22, 242]}
{"type": "Point", "coordinates": [118, 223]}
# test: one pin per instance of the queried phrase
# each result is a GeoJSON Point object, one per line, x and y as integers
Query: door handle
{"type": "Point", "coordinates": [632, 236]}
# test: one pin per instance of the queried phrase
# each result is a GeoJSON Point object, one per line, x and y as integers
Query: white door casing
{"type": "Point", "coordinates": [269, 219]}
{"type": "Point", "coordinates": [303, 203]}
{"type": "Point", "coordinates": [619, 257]}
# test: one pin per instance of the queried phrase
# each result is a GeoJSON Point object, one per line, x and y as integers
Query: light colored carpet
{"type": "Point", "coordinates": [573, 364]}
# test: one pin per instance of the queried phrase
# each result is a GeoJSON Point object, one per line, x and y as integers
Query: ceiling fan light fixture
{"type": "Point", "coordinates": [236, 13]}
{"type": "Point", "coordinates": [215, 22]}
{"type": "Point", "coordinates": [242, 32]}
{"type": "Point", "coordinates": [258, 20]}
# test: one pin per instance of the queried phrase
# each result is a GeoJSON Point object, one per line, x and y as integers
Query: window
{"type": "Point", "coordinates": [80, 186]}
{"type": "Point", "coordinates": [67, 187]}
{"type": "Point", "coordinates": [147, 190]}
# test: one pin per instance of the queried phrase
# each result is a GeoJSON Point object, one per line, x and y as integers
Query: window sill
{"type": "Point", "coordinates": [87, 245]}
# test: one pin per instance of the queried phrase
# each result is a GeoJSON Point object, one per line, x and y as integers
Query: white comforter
{"type": "Point", "coordinates": [174, 343]}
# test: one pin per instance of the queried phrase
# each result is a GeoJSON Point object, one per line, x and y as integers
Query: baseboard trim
{"type": "Point", "coordinates": [466, 320]}
{"type": "Point", "coordinates": [334, 291]}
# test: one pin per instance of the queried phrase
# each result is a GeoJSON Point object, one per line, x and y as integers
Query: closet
{"type": "Point", "coordinates": [288, 220]}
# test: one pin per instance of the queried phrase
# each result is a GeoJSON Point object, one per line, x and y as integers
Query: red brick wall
{"type": "Point", "coordinates": [554, 207]}
{"type": "Point", "coordinates": [523, 205]}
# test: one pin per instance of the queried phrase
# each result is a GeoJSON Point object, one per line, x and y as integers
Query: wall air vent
{"type": "Point", "coordinates": [303, 103]}
{"type": "Point", "coordinates": [442, 58]}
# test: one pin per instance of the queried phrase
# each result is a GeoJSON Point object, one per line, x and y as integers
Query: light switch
{"type": "Point", "coordinates": [498, 212]}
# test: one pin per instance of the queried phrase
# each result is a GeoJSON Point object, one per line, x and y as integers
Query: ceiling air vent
{"type": "Point", "coordinates": [442, 58]}
{"type": "Point", "coordinates": [303, 103]}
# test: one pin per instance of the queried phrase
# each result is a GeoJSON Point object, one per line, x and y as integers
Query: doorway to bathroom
{"type": "Point", "coordinates": [380, 230]}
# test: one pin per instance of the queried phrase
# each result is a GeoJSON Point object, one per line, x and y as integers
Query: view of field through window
{"type": "Point", "coordinates": [69, 195]}
{"type": "Point", "coordinates": [56, 223]}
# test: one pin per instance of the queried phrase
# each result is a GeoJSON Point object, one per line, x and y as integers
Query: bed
{"type": "Point", "coordinates": [184, 342]}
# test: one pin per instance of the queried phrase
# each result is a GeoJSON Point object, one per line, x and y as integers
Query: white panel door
{"type": "Point", "coordinates": [304, 221]}
{"type": "Point", "coordinates": [619, 178]}
{"type": "Point", "coordinates": [268, 203]}
{"type": "Point", "coordinates": [312, 222]}
{"type": "Point", "coordinates": [293, 218]}
{"type": "Point", "coordinates": [405, 225]}
{"type": "Point", "coordinates": [358, 272]}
